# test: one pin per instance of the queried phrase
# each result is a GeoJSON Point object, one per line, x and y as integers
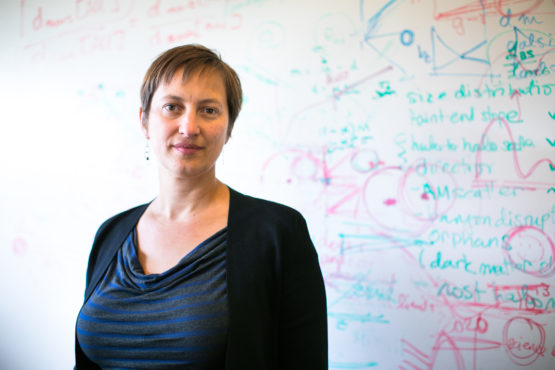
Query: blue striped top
{"type": "Point", "coordinates": [176, 319]}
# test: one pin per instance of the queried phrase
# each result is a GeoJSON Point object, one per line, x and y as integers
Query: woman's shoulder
{"type": "Point", "coordinates": [260, 210]}
{"type": "Point", "coordinates": [129, 216]}
{"type": "Point", "coordinates": [259, 203]}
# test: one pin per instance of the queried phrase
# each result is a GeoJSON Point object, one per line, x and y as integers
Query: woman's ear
{"type": "Point", "coordinates": [144, 123]}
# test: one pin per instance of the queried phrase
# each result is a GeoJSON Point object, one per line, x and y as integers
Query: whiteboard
{"type": "Point", "coordinates": [416, 137]}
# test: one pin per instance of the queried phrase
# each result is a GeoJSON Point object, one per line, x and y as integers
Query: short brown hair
{"type": "Point", "coordinates": [193, 59]}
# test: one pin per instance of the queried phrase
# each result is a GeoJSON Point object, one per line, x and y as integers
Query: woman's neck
{"type": "Point", "coordinates": [184, 198]}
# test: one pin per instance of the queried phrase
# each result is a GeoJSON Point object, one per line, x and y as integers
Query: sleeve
{"type": "Point", "coordinates": [95, 250]}
{"type": "Point", "coordinates": [81, 360]}
{"type": "Point", "coordinates": [303, 334]}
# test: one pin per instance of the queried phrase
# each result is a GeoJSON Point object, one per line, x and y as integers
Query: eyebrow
{"type": "Point", "coordinates": [180, 99]}
{"type": "Point", "coordinates": [172, 97]}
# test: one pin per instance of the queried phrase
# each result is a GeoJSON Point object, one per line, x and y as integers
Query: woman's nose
{"type": "Point", "coordinates": [188, 125]}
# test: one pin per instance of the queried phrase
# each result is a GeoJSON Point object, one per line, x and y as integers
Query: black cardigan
{"type": "Point", "coordinates": [277, 301]}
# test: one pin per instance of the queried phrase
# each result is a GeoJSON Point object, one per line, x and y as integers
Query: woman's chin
{"type": "Point", "coordinates": [189, 171]}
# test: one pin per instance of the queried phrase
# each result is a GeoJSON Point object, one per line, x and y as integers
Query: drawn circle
{"type": "Point", "coordinates": [305, 167]}
{"type": "Point", "coordinates": [301, 166]}
{"type": "Point", "coordinates": [365, 160]}
{"type": "Point", "coordinates": [523, 340]}
{"type": "Point", "coordinates": [407, 37]}
{"type": "Point", "coordinates": [269, 36]}
{"type": "Point", "coordinates": [530, 250]}
{"type": "Point", "coordinates": [380, 187]}
{"type": "Point", "coordinates": [504, 46]}
{"type": "Point", "coordinates": [334, 30]}
{"type": "Point", "coordinates": [408, 201]}
{"type": "Point", "coordinates": [385, 201]}
{"type": "Point", "coordinates": [294, 175]}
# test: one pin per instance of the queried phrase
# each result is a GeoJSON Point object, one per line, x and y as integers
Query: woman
{"type": "Point", "coordinates": [202, 277]}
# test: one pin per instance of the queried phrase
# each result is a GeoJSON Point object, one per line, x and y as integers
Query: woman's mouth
{"type": "Point", "coordinates": [187, 149]}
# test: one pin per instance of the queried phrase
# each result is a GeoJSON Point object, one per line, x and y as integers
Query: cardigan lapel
{"type": "Point", "coordinates": [108, 241]}
{"type": "Point", "coordinates": [251, 332]}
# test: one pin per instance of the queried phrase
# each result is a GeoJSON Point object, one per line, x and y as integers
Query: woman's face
{"type": "Point", "coordinates": [188, 124]}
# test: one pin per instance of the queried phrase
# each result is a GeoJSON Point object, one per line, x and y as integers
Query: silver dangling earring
{"type": "Point", "coordinates": [147, 150]}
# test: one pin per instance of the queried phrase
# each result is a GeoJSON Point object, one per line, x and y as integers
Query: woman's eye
{"type": "Point", "coordinates": [210, 111]}
{"type": "Point", "coordinates": [170, 107]}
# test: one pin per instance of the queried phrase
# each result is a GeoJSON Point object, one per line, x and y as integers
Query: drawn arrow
{"type": "Point", "coordinates": [552, 115]}
{"type": "Point", "coordinates": [552, 143]}
{"type": "Point", "coordinates": [551, 167]}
